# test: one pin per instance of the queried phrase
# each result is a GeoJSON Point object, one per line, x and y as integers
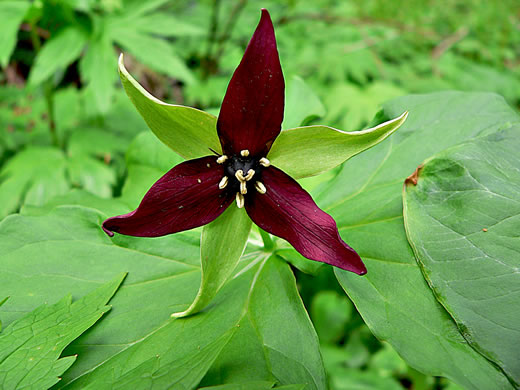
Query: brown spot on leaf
{"type": "Point", "coordinates": [19, 111]}
{"type": "Point", "coordinates": [484, 230]}
{"type": "Point", "coordinates": [412, 179]}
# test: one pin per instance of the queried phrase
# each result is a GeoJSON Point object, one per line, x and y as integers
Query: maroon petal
{"type": "Point", "coordinates": [288, 211]}
{"type": "Point", "coordinates": [184, 198]}
{"type": "Point", "coordinates": [252, 111]}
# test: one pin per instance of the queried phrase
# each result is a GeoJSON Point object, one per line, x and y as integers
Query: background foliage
{"type": "Point", "coordinates": [74, 150]}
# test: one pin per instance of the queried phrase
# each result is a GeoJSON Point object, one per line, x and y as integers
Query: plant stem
{"type": "Point", "coordinates": [268, 242]}
{"type": "Point", "coordinates": [49, 100]}
{"type": "Point", "coordinates": [212, 36]}
{"type": "Point", "coordinates": [48, 88]}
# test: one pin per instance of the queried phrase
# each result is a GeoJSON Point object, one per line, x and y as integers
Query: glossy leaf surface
{"type": "Point", "coordinates": [162, 278]}
{"type": "Point", "coordinates": [463, 220]}
{"type": "Point", "coordinates": [365, 199]}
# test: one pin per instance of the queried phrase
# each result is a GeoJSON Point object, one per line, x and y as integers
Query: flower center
{"type": "Point", "coordinates": [241, 173]}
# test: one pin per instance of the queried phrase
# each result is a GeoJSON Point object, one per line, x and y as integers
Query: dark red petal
{"type": "Point", "coordinates": [288, 211]}
{"type": "Point", "coordinates": [184, 198]}
{"type": "Point", "coordinates": [252, 111]}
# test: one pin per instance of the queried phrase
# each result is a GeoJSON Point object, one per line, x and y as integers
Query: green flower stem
{"type": "Point", "coordinates": [268, 241]}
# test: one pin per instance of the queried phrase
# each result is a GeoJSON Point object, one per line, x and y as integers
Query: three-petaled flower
{"type": "Point", "coordinates": [197, 191]}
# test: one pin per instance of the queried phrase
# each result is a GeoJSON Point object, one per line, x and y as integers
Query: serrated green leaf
{"type": "Point", "coordinates": [365, 200]}
{"type": "Point", "coordinates": [147, 159]}
{"type": "Point", "coordinates": [154, 373]}
{"type": "Point", "coordinates": [462, 219]}
{"type": "Point", "coordinates": [301, 104]}
{"type": "Point", "coordinates": [167, 26]}
{"type": "Point", "coordinates": [187, 131]}
{"type": "Point", "coordinates": [257, 385]}
{"type": "Point", "coordinates": [58, 53]}
{"type": "Point", "coordinates": [12, 13]}
{"type": "Point", "coordinates": [221, 245]}
{"type": "Point", "coordinates": [138, 8]}
{"type": "Point", "coordinates": [92, 175]}
{"type": "Point", "coordinates": [96, 143]}
{"type": "Point", "coordinates": [30, 346]}
{"type": "Point", "coordinates": [33, 176]}
{"type": "Point", "coordinates": [311, 150]}
{"type": "Point", "coordinates": [98, 71]}
{"type": "Point", "coordinates": [164, 276]}
{"type": "Point", "coordinates": [153, 52]}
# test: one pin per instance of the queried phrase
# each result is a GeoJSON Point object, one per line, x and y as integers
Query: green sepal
{"type": "Point", "coordinates": [222, 243]}
{"type": "Point", "coordinates": [187, 131]}
{"type": "Point", "coordinates": [311, 150]}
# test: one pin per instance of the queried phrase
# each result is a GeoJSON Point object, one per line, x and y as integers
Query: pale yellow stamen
{"type": "Point", "coordinates": [244, 153]}
{"type": "Point", "coordinates": [265, 162]}
{"type": "Point", "coordinates": [260, 187]}
{"type": "Point", "coordinates": [243, 188]}
{"type": "Point", "coordinates": [249, 175]}
{"type": "Point", "coordinates": [240, 200]}
{"type": "Point", "coordinates": [222, 159]}
{"type": "Point", "coordinates": [240, 175]}
{"type": "Point", "coordinates": [223, 182]}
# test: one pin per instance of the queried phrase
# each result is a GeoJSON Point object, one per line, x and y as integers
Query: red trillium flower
{"type": "Point", "coordinates": [197, 191]}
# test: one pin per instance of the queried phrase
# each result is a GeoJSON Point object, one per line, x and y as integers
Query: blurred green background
{"type": "Point", "coordinates": [65, 122]}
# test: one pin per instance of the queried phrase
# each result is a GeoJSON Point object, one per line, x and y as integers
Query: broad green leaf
{"type": "Point", "coordinates": [164, 275]}
{"type": "Point", "coordinates": [79, 197]}
{"type": "Point", "coordinates": [166, 25]}
{"type": "Point", "coordinates": [92, 175]}
{"type": "Point", "coordinates": [351, 379]}
{"type": "Point", "coordinates": [96, 143]}
{"type": "Point", "coordinates": [187, 131]}
{"type": "Point", "coordinates": [462, 219]}
{"type": "Point", "coordinates": [297, 260]}
{"type": "Point", "coordinates": [301, 104]}
{"type": "Point", "coordinates": [185, 373]}
{"type": "Point", "coordinates": [350, 106]}
{"type": "Point", "coordinates": [365, 200]}
{"type": "Point", "coordinates": [1, 303]}
{"type": "Point", "coordinates": [137, 8]}
{"type": "Point", "coordinates": [330, 313]}
{"type": "Point", "coordinates": [274, 326]}
{"type": "Point", "coordinates": [221, 245]}
{"type": "Point", "coordinates": [30, 347]}
{"type": "Point", "coordinates": [58, 53]}
{"type": "Point", "coordinates": [257, 385]}
{"type": "Point", "coordinates": [308, 151]}
{"type": "Point", "coordinates": [147, 159]}
{"type": "Point", "coordinates": [151, 51]}
{"type": "Point", "coordinates": [33, 176]}
{"type": "Point", "coordinates": [12, 13]}
{"type": "Point", "coordinates": [98, 71]}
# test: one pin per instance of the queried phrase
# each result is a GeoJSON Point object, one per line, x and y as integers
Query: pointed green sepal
{"type": "Point", "coordinates": [187, 131]}
{"type": "Point", "coordinates": [311, 150]}
{"type": "Point", "coordinates": [222, 243]}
